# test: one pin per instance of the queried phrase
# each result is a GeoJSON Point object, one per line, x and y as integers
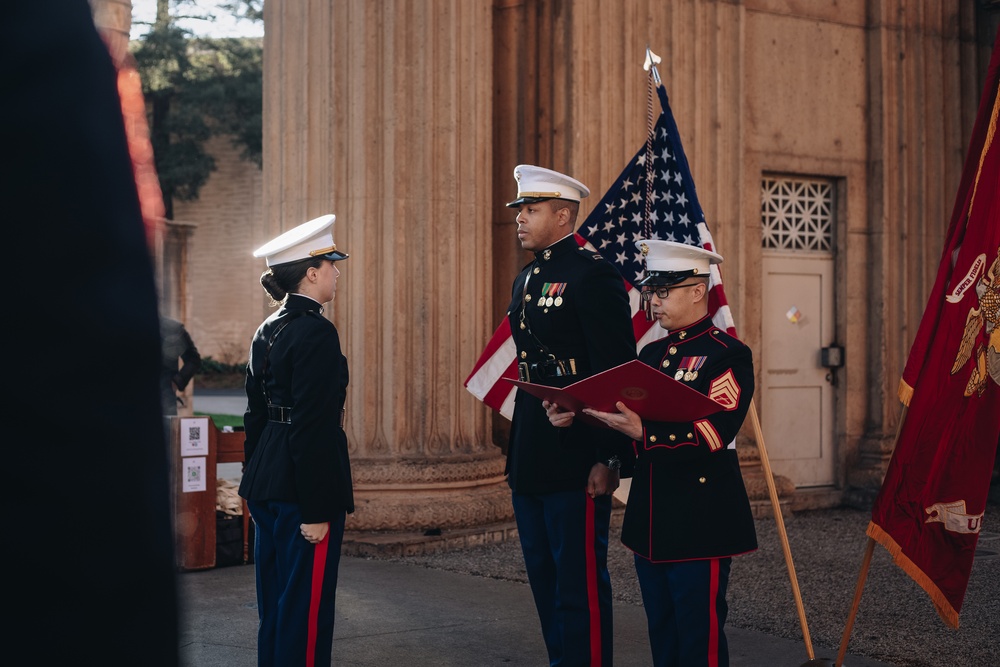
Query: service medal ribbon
{"type": "Point", "coordinates": [554, 292]}
{"type": "Point", "coordinates": [541, 297]}
{"type": "Point", "coordinates": [690, 366]}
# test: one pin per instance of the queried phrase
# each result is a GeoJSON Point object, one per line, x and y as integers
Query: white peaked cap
{"type": "Point", "coordinates": [538, 183]}
{"type": "Point", "coordinates": [310, 239]}
{"type": "Point", "coordinates": [669, 262]}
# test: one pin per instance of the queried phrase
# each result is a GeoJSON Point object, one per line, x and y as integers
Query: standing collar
{"type": "Point", "coordinates": [297, 301]}
{"type": "Point", "coordinates": [561, 247]}
{"type": "Point", "coordinates": [692, 330]}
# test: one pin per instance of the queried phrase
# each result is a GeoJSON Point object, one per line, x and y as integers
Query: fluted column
{"type": "Point", "coordinates": [113, 19]}
{"type": "Point", "coordinates": [381, 114]}
{"type": "Point", "coordinates": [921, 123]}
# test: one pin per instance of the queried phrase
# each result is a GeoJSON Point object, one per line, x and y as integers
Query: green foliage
{"type": "Point", "coordinates": [210, 366]}
{"type": "Point", "coordinates": [250, 9]}
{"type": "Point", "coordinates": [215, 374]}
{"type": "Point", "coordinates": [233, 94]}
{"type": "Point", "coordinates": [196, 89]}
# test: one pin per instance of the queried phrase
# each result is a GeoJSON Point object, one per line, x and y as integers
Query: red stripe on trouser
{"type": "Point", "coordinates": [315, 595]}
{"type": "Point", "coordinates": [593, 603]}
{"type": "Point", "coordinates": [713, 613]}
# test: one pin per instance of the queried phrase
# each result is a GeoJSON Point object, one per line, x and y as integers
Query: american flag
{"type": "Point", "coordinates": [653, 198]}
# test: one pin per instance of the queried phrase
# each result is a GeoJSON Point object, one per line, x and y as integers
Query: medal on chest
{"type": "Point", "coordinates": [551, 295]}
{"type": "Point", "coordinates": [688, 370]}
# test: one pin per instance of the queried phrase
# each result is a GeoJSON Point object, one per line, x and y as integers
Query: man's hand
{"type": "Point", "coordinates": [314, 532]}
{"type": "Point", "coordinates": [557, 416]}
{"type": "Point", "coordinates": [625, 421]}
{"type": "Point", "coordinates": [602, 481]}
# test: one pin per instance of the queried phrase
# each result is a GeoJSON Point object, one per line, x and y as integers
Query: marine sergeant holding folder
{"type": "Point", "coordinates": [688, 512]}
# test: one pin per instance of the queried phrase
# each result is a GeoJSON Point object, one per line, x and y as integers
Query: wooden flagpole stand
{"type": "Point", "coordinates": [849, 626]}
{"type": "Point", "coordinates": [866, 562]}
{"type": "Point", "coordinates": [779, 520]}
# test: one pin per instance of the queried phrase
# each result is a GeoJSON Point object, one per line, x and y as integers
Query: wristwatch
{"type": "Point", "coordinates": [614, 463]}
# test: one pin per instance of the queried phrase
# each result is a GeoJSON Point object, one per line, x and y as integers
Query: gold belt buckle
{"type": "Point", "coordinates": [522, 371]}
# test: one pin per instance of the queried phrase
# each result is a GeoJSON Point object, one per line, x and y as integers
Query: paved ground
{"type": "Point", "coordinates": [393, 613]}
{"type": "Point", "coordinates": [473, 607]}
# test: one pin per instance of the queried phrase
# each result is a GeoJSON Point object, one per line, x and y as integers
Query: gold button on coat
{"type": "Point", "coordinates": [673, 350]}
{"type": "Point", "coordinates": [524, 355]}
{"type": "Point", "coordinates": [652, 438]}
{"type": "Point", "coordinates": [666, 363]}
{"type": "Point", "coordinates": [701, 480]}
{"type": "Point", "coordinates": [672, 437]}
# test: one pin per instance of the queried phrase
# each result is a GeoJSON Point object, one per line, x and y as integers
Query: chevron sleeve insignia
{"type": "Point", "coordinates": [725, 390]}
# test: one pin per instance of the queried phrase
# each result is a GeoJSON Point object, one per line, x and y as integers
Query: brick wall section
{"type": "Point", "coordinates": [226, 301]}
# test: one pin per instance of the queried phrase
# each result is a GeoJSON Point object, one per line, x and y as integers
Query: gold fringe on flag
{"type": "Point", "coordinates": [991, 130]}
{"type": "Point", "coordinates": [941, 604]}
{"type": "Point", "coordinates": [905, 393]}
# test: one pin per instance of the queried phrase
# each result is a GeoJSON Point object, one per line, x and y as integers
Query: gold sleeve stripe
{"type": "Point", "coordinates": [709, 433]}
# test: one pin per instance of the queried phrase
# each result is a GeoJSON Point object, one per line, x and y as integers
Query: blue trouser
{"type": "Point", "coordinates": [686, 610]}
{"type": "Point", "coordinates": [296, 586]}
{"type": "Point", "coordinates": [564, 538]}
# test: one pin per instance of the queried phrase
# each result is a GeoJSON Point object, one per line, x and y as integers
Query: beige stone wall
{"type": "Point", "coordinates": [806, 114]}
{"type": "Point", "coordinates": [225, 299]}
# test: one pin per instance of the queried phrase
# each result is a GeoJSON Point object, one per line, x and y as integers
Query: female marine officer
{"type": "Point", "coordinates": [297, 475]}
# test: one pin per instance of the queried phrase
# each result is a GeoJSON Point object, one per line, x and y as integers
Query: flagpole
{"type": "Point", "coordinates": [779, 520]}
{"type": "Point", "coordinates": [866, 561]}
{"type": "Point", "coordinates": [862, 577]}
{"type": "Point", "coordinates": [653, 80]}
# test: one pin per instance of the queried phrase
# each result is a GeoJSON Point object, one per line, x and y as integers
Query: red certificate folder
{"type": "Point", "coordinates": [653, 395]}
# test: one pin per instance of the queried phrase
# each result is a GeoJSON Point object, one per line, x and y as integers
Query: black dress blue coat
{"type": "Point", "coordinates": [687, 500]}
{"type": "Point", "coordinates": [592, 324]}
{"type": "Point", "coordinates": [305, 461]}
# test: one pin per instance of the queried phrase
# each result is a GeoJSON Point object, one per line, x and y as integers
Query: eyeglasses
{"type": "Point", "coordinates": [662, 292]}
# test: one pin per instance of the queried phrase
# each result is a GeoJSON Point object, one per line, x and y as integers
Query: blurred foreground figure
{"type": "Point", "coordinates": [88, 536]}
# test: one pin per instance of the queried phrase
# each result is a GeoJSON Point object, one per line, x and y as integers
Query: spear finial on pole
{"type": "Point", "coordinates": [652, 60]}
{"type": "Point", "coordinates": [654, 80]}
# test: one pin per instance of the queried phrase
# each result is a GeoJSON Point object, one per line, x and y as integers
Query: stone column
{"type": "Point", "coordinates": [920, 125]}
{"type": "Point", "coordinates": [381, 114]}
{"type": "Point", "coordinates": [113, 19]}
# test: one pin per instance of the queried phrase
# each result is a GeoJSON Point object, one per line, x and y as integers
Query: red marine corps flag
{"type": "Point", "coordinates": [929, 510]}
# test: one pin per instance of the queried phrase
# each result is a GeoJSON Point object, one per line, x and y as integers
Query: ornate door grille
{"type": "Point", "coordinates": [797, 213]}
